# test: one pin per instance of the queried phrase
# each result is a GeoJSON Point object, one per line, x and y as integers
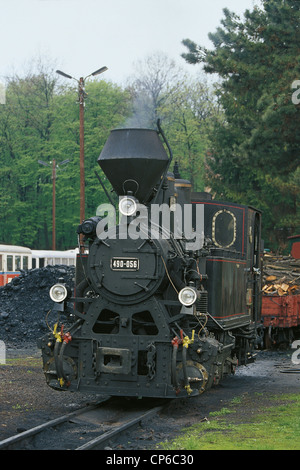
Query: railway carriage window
{"type": "Point", "coordinates": [224, 228]}
{"type": "Point", "coordinates": [25, 262]}
{"type": "Point", "coordinates": [17, 263]}
{"type": "Point", "coordinates": [9, 262]}
{"type": "Point", "coordinates": [1, 263]}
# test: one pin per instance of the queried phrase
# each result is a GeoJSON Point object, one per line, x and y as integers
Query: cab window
{"type": "Point", "coordinates": [224, 228]}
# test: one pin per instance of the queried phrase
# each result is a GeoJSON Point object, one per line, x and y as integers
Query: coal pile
{"type": "Point", "coordinates": [25, 302]}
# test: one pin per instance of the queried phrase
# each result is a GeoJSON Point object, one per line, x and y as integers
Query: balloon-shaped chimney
{"type": "Point", "coordinates": [134, 161]}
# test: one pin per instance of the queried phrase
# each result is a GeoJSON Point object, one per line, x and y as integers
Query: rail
{"type": "Point", "coordinates": [96, 424]}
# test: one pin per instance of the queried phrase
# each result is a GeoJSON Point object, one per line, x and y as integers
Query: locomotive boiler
{"type": "Point", "coordinates": [167, 290]}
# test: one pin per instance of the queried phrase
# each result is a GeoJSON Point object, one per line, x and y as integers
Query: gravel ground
{"type": "Point", "coordinates": [26, 400]}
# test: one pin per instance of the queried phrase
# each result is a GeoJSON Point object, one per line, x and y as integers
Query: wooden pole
{"type": "Point", "coordinates": [53, 203]}
{"type": "Point", "coordinates": [82, 180]}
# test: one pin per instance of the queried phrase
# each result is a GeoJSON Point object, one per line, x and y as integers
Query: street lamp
{"type": "Point", "coordinates": [82, 96]}
{"type": "Point", "coordinates": [54, 166]}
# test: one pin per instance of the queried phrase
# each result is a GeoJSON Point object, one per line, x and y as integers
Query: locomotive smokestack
{"type": "Point", "coordinates": [134, 160]}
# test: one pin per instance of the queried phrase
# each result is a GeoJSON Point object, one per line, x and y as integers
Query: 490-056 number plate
{"type": "Point", "coordinates": [124, 264]}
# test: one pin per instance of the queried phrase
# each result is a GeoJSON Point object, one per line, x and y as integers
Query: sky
{"type": "Point", "coordinates": [80, 36]}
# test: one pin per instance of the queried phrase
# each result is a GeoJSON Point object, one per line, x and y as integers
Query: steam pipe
{"type": "Point", "coordinates": [184, 368]}
{"type": "Point", "coordinates": [170, 159]}
{"type": "Point", "coordinates": [166, 142]}
{"type": "Point", "coordinates": [62, 350]}
{"type": "Point", "coordinates": [174, 373]}
{"type": "Point", "coordinates": [56, 359]}
{"type": "Point", "coordinates": [104, 188]}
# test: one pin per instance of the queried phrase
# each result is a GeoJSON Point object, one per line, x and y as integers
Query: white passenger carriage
{"type": "Point", "coordinates": [12, 259]}
{"type": "Point", "coordinates": [15, 258]}
{"type": "Point", "coordinates": [41, 258]}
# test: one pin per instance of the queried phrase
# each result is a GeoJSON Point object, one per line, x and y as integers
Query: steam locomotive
{"type": "Point", "coordinates": [167, 298]}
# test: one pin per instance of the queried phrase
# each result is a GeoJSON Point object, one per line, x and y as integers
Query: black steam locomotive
{"type": "Point", "coordinates": [167, 299]}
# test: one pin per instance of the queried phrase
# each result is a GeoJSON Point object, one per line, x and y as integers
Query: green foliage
{"type": "Point", "coordinates": [40, 121]}
{"type": "Point", "coordinates": [187, 113]}
{"type": "Point", "coordinates": [254, 156]}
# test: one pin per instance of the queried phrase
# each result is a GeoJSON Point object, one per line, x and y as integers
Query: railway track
{"type": "Point", "coordinates": [91, 427]}
{"type": "Point", "coordinates": [288, 368]}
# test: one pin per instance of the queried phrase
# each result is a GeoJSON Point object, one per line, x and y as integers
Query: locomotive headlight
{"type": "Point", "coordinates": [128, 206]}
{"type": "Point", "coordinates": [187, 296]}
{"type": "Point", "coordinates": [58, 293]}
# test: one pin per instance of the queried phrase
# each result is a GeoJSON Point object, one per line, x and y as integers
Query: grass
{"type": "Point", "coordinates": [274, 427]}
{"type": "Point", "coordinates": [28, 361]}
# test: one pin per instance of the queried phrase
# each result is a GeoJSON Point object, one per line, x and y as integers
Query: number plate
{"type": "Point", "coordinates": [124, 264]}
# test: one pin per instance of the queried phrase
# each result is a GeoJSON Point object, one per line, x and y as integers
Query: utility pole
{"type": "Point", "coordinates": [54, 167]}
{"type": "Point", "coordinates": [81, 134]}
{"type": "Point", "coordinates": [53, 203]}
{"type": "Point", "coordinates": [81, 98]}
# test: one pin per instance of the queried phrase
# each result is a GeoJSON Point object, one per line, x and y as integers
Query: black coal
{"type": "Point", "coordinates": [25, 303]}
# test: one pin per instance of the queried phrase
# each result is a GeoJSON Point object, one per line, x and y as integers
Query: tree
{"type": "Point", "coordinates": [40, 121]}
{"type": "Point", "coordinates": [160, 89]}
{"type": "Point", "coordinates": [187, 114]}
{"type": "Point", "coordinates": [254, 157]}
{"type": "Point", "coordinates": [25, 131]}
{"type": "Point", "coordinates": [150, 87]}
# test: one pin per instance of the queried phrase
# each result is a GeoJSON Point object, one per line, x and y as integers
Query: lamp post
{"type": "Point", "coordinates": [81, 97]}
{"type": "Point", "coordinates": [54, 166]}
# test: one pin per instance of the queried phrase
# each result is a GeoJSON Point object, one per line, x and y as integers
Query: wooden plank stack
{"type": "Point", "coordinates": [281, 275]}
